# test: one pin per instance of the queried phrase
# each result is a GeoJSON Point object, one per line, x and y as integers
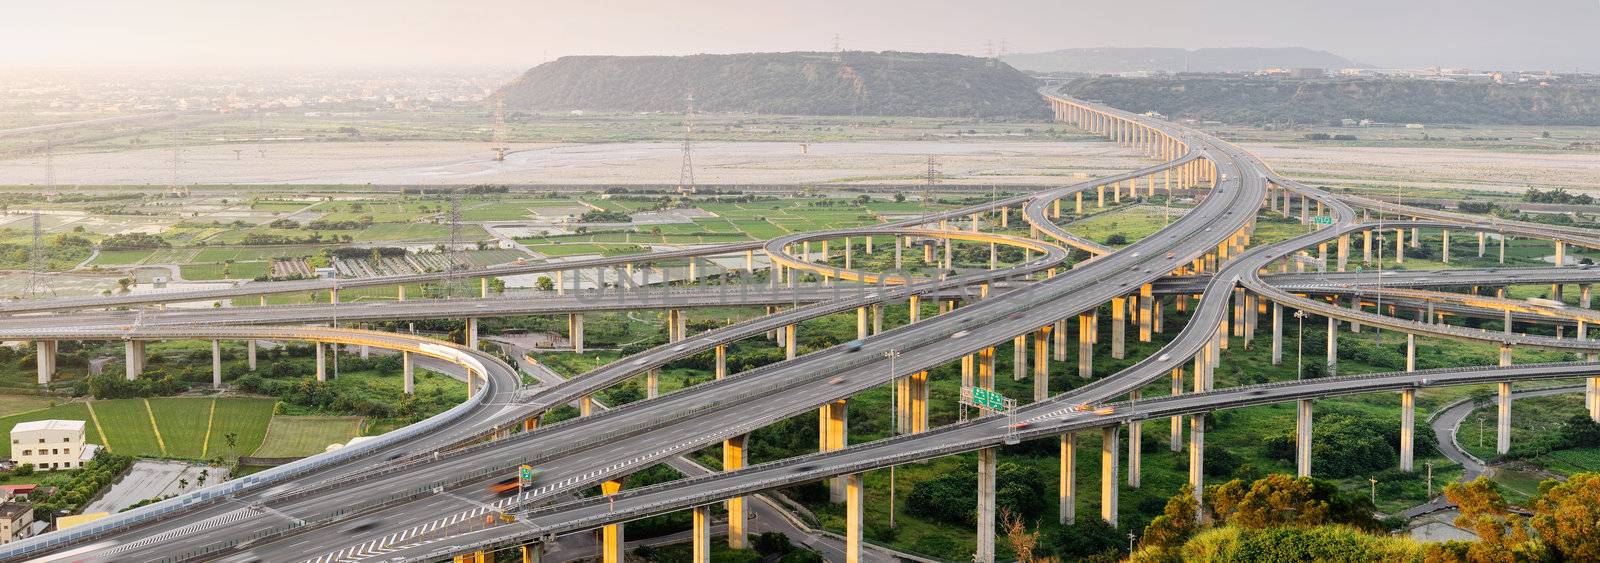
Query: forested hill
{"type": "Point", "coordinates": [861, 83]}
{"type": "Point", "coordinates": [1255, 100]}
{"type": "Point", "coordinates": [1133, 59]}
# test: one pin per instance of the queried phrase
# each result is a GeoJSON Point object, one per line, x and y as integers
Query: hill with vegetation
{"type": "Point", "coordinates": [799, 83]}
{"type": "Point", "coordinates": [1136, 59]}
{"type": "Point", "coordinates": [1257, 100]}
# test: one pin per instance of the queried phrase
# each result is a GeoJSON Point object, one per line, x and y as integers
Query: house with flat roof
{"type": "Point", "coordinates": [49, 444]}
{"type": "Point", "coordinates": [16, 521]}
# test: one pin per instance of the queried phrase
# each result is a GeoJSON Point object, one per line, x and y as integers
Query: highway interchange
{"type": "Point", "coordinates": [426, 501]}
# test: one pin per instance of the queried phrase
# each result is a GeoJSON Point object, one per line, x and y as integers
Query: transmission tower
{"type": "Point", "coordinates": [988, 53]}
{"type": "Point", "coordinates": [933, 171]}
{"type": "Point", "coordinates": [453, 259]}
{"type": "Point", "coordinates": [686, 172]}
{"type": "Point", "coordinates": [499, 133]}
{"type": "Point", "coordinates": [838, 50]}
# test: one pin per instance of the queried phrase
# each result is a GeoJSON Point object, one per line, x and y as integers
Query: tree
{"type": "Point", "coordinates": [1175, 524]}
{"type": "Point", "coordinates": [1021, 540]}
{"type": "Point", "coordinates": [1116, 239]}
{"type": "Point", "coordinates": [545, 284]}
{"type": "Point", "coordinates": [1567, 516]}
{"type": "Point", "coordinates": [231, 440]}
{"type": "Point", "coordinates": [183, 484]}
{"type": "Point", "coordinates": [899, 197]}
{"type": "Point", "coordinates": [1502, 536]}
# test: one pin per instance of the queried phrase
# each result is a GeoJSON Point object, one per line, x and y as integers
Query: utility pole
{"type": "Point", "coordinates": [1429, 464]}
{"type": "Point", "coordinates": [686, 171]}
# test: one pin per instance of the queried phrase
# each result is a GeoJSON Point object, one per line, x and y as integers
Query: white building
{"type": "Point", "coordinates": [49, 444]}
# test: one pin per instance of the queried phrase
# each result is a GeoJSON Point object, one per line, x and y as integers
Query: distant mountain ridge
{"type": "Point", "coordinates": [795, 83]}
{"type": "Point", "coordinates": [1141, 59]}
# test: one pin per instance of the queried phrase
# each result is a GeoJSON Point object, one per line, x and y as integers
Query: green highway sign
{"type": "Point", "coordinates": [1322, 220]}
{"type": "Point", "coordinates": [988, 399]}
{"type": "Point", "coordinates": [526, 474]}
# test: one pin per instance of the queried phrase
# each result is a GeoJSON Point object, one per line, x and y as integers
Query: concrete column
{"type": "Point", "coordinates": [1135, 443]}
{"type": "Point", "coordinates": [46, 360]}
{"type": "Point", "coordinates": [877, 316]}
{"type": "Point", "coordinates": [1059, 338]}
{"type": "Point", "coordinates": [483, 287]}
{"type": "Point", "coordinates": [788, 341]}
{"type": "Point", "coordinates": [1481, 241]}
{"type": "Point", "coordinates": [1302, 438]}
{"type": "Point", "coordinates": [1197, 457]}
{"type": "Point", "coordinates": [1561, 253]}
{"type": "Point", "coordinates": [1416, 237]}
{"type": "Point", "coordinates": [1344, 252]}
{"type": "Point", "coordinates": [1086, 333]}
{"type": "Point", "coordinates": [561, 286]}
{"type": "Point", "coordinates": [833, 434]}
{"type": "Point", "coordinates": [855, 516]}
{"type": "Point", "coordinates": [575, 331]}
{"type": "Point", "coordinates": [861, 323]}
{"type": "Point", "coordinates": [216, 364]}
{"type": "Point", "coordinates": [1175, 441]}
{"type": "Point", "coordinates": [133, 358]}
{"type": "Point", "coordinates": [914, 309]}
{"type": "Point", "coordinates": [1077, 203]}
{"type": "Point", "coordinates": [722, 361]}
{"type": "Point", "coordinates": [611, 541]}
{"type": "Point", "coordinates": [471, 331]}
{"type": "Point", "coordinates": [1502, 438]}
{"type": "Point", "coordinates": [1019, 357]}
{"type": "Point", "coordinates": [1366, 247]}
{"type": "Point", "coordinates": [735, 456]}
{"type": "Point", "coordinates": [1333, 347]}
{"type": "Point", "coordinates": [949, 254]}
{"type": "Point", "coordinates": [652, 383]}
{"type": "Point", "coordinates": [1068, 496]}
{"type": "Point", "coordinates": [700, 534]}
{"type": "Point", "coordinates": [1505, 355]}
{"type": "Point", "coordinates": [1146, 312]}
{"type": "Point", "coordinates": [1411, 352]}
{"type": "Point", "coordinates": [1109, 438]}
{"type": "Point", "coordinates": [898, 244]}
{"type": "Point", "coordinates": [1041, 365]}
{"type": "Point", "coordinates": [1408, 418]}
{"type": "Point", "coordinates": [986, 485]}
{"type": "Point", "coordinates": [1502, 248]}
{"type": "Point", "coordinates": [586, 405]}
{"type": "Point", "coordinates": [1277, 333]}
{"type": "Point", "coordinates": [1400, 246]}
{"type": "Point", "coordinates": [1446, 247]}
{"type": "Point", "coordinates": [250, 354]}
{"type": "Point", "coordinates": [408, 369]}
{"type": "Point", "coordinates": [322, 363]}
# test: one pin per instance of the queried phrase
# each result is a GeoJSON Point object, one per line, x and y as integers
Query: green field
{"type": "Point", "coordinates": [182, 420]}
{"type": "Point", "coordinates": [297, 436]}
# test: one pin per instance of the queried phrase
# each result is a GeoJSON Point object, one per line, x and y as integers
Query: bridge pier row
{"type": "Point", "coordinates": [1333, 347]}
{"type": "Point", "coordinates": [832, 434]}
{"type": "Point", "coordinates": [1041, 364]}
{"type": "Point", "coordinates": [1086, 332]}
{"type": "Point", "coordinates": [734, 457]}
{"type": "Point", "coordinates": [1119, 327]}
{"type": "Point", "coordinates": [1408, 430]}
{"type": "Point", "coordinates": [1109, 444]}
{"type": "Point", "coordinates": [133, 358]}
{"type": "Point", "coordinates": [216, 364]}
{"type": "Point", "coordinates": [471, 331]}
{"type": "Point", "coordinates": [1068, 489]}
{"type": "Point", "coordinates": [722, 361]}
{"type": "Point", "coordinates": [700, 534]}
{"type": "Point", "coordinates": [322, 364]}
{"type": "Point", "coordinates": [409, 372]}
{"type": "Point", "coordinates": [611, 541]}
{"type": "Point", "coordinates": [1502, 423]}
{"type": "Point", "coordinates": [986, 506]}
{"type": "Point", "coordinates": [1302, 438]}
{"type": "Point", "coordinates": [575, 331]}
{"type": "Point", "coordinates": [46, 360]}
{"type": "Point", "coordinates": [1175, 440]}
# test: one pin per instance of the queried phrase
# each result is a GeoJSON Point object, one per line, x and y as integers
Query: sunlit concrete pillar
{"type": "Point", "coordinates": [408, 371]}
{"type": "Point", "coordinates": [1366, 247]}
{"type": "Point", "coordinates": [789, 341]}
{"type": "Point", "coordinates": [1408, 421]}
{"type": "Point", "coordinates": [1147, 303]}
{"type": "Point", "coordinates": [854, 493]}
{"type": "Point", "coordinates": [1119, 327]}
{"type": "Point", "coordinates": [919, 402]}
{"type": "Point", "coordinates": [861, 323]}
{"type": "Point", "coordinates": [1302, 438]}
{"type": "Point", "coordinates": [652, 383]}
{"type": "Point", "coordinates": [1502, 248]}
{"type": "Point", "coordinates": [471, 331]}
{"type": "Point", "coordinates": [1561, 253]}
{"type": "Point", "coordinates": [1505, 355]}
{"type": "Point", "coordinates": [735, 456]}
{"type": "Point", "coordinates": [133, 358]}
{"type": "Point", "coordinates": [722, 361]}
{"type": "Point", "coordinates": [322, 363]}
{"type": "Point", "coordinates": [700, 534]}
{"type": "Point", "coordinates": [46, 360]}
{"type": "Point", "coordinates": [1110, 438]}
{"type": "Point", "coordinates": [833, 429]}
{"type": "Point", "coordinates": [877, 318]}
{"type": "Point", "coordinates": [586, 405]}
{"type": "Point", "coordinates": [575, 331]}
{"type": "Point", "coordinates": [1100, 196]}
{"type": "Point", "coordinates": [1086, 332]}
{"type": "Point", "coordinates": [1446, 242]}
{"type": "Point", "coordinates": [1400, 246]}
{"type": "Point", "coordinates": [986, 506]}
{"type": "Point", "coordinates": [914, 309]}
{"type": "Point", "coordinates": [1197, 458]}
{"type": "Point", "coordinates": [1175, 440]}
{"type": "Point", "coordinates": [1416, 237]}
{"type": "Point", "coordinates": [1041, 365]}
{"type": "Point", "coordinates": [949, 254]}
{"type": "Point", "coordinates": [561, 280]}
{"type": "Point", "coordinates": [1502, 439]}
{"type": "Point", "coordinates": [1135, 445]}
{"type": "Point", "coordinates": [1059, 341]}
{"type": "Point", "coordinates": [1068, 496]}
{"type": "Point", "coordinates": [1333, 347]}
{"type": "Point", "coordinates": [1019, 357]}
{"type": "Point", "coordinates": [1277, 333]}
{"type": "Point", "coordinates": [611, 541]}
{"type": "Point", "coordinates": [1077, 203]}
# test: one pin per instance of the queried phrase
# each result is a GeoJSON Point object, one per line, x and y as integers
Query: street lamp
{"type": "Point", "coordinates": [1480, 430]}
{"type": "Point", "coordinates": [1131, 537]}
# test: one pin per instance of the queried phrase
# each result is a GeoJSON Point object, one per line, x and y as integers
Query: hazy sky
{"type": "Point", "coordinates": [1561, 34]}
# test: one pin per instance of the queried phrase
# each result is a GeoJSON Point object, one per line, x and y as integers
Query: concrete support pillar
{"type": "Point", "coordinates": [700, 534]}
{"type": "Point", "coordinates": [611, 541]}
{"type": "Point", "coordinates": [1135, 445]}
{"type": "Point", "coordinates": [1147, 304]}
{"type": "Point", "coordinates": [1561, 253]}
{"type": "Point", "coordinates": [46, 360]}
{"type": "Point", "coordinates": [1197, 457]}
{"type": "Point", "coordinates": [1343, 246]}
{"type": "Point", "coordinates": [1175, 440]}
{"type": "Point", "coordinates": [1333, 347]}
{"type": "Point", "coordinates": [409, 372]}
{"type": "Point", "coordinates": [1041, 365]}
{"type": "Point", "coordinates": [250, 354]}
{"type": "Point", "coordinates": [471, 331]}
{"type": "Point", "coordinates": [1019, 357]}
{"type": "Point", "coordinates": [1277, 333]}
{"type": "Point", "coordinates": [1302, 438]}
{"type": "Point", "coordinates": [1086, 334]}
{"type": "Point", "coordinates": [914, 309]}
{"type": "Point", "coordinates": [1411, 353]}
{"type": "Point", "coordinates": [722, 361]}
{"type": "Point", "coordinates": [1400, 246]}
{"type": "Point", "coordinates": [1408, 433]}
{"type": "Point", "coordinates": [854, 493]}
{"type": "Point", "coordinates": [1068, 497]}
{"type": "Point", "coordinates": [1366, 247]}
{"type": "Point", "coordinates": [575, 331]}
{"type": "Point", "coordinates": [949, 254]}
{"type": "Point", "coordinates": [1059, 341]}
{"type": "Point", "coordinates": [483, 287]}
{"type": "Point", "coordinates": [833, 434]}
{"type": "Point", "coordinates": [652, 383]}
{"type": "Point", "coordinates": [216, 364]}
{"type": "Point", "coordinates": [133, 358]}
{"type": "Point", "coordinates": [861, 323]}
{"type": "Point", "coordinates": [788, 341]}
{"type": "Point", "coordinates": [1505, 355]}
{"type": "Point", "coordinates": [1109, 438]}
{"type": "Point", "coordinates": [986, 506]}
{"type": "Point", "coordinates": [735, 456]}
{"type": "Point", "coordinates": [877, 317]}
{"type": "Point", "coordinates": [1416, 237]}
{"type": "Point", "coordinates": [1502, 424]}
{"type": "Point", "coordinates": [1446, 248]}
{"type": "Point", "coordinates": [322, 363]}
{"type": "Point", "coordinates": [1502, 248]}
{"type": "Point", "coordinates": [1119, 327]}
{"type": "Point", "coordinates": [586, 405]}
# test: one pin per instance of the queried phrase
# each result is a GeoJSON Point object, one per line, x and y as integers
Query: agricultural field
{"type": "Point", "coordinates": [174, 427]}
{"type": "Point", "coordinates": [297, 436]}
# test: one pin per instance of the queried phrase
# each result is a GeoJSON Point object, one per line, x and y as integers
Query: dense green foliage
{"type": "Point", "coordinates": [798, 83]}
{"type": "Point", "coordinates": [1019, 489]}
{"type": "Point", "coordinates": [597, 216]}
{"type": "Point", "coordinates": [82, 485]}
{"type": "Point", "coordinates": [1238, 99]}
{"type": "Point", "coordinates": [133, 241]}
{"type": "Point", "coordinates": [1558, 195]}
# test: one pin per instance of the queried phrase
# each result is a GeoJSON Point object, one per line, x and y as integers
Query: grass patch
{"type": "Point", "coordinates": [296, 436]}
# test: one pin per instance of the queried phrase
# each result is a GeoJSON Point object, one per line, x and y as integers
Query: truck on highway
{"type": "Point", "coordinates": [1542, 302]}
{"type": "Point", "coordinates": [513, 484]}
